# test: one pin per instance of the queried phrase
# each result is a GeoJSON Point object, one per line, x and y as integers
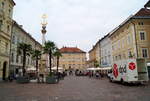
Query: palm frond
{"type": "Point", "coordinates": [36, 54]}
{"type": "Point", "coordinates": [57, 53]}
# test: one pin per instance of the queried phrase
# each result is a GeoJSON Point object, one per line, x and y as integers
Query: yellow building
{"type": "Point", "coordinates": [94, 55]}
{"type": "Point", "coordinates": [19, 35]}
{"type": "Point", "coordinates": [72, 58]}
{"type": "Point", "coordinates": [6, 10]}
{"type": "Point", "coordinates": [131, 39]}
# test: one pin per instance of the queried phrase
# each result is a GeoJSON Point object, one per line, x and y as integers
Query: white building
{"type": "Point", "coordinates": [105, 51]}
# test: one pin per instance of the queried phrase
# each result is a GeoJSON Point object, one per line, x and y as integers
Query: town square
{"type": "Point", "coordinates": [74, 50]}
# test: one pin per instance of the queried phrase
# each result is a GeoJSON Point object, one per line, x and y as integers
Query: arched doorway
{"type": "Point", "coordinates": [4, 70]}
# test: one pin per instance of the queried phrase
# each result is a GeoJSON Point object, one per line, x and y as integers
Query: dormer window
{"type": "Point", "coordinates": [141, 23]}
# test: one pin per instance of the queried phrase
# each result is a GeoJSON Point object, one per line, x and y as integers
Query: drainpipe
{"type": "Point", "coordinates": [135, 40]}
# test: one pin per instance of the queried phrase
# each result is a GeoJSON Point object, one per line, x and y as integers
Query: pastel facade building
{"type": "Point", "coordinates": [106, 51]}
{"type": "Point", "coordinates": [6, 11]}
{"type": "Point", "coordinates": [94, 55]}
{"type": "Point", "coordinates": [72, 58]}
{"type": "Point", "coordinates": [131, 39]}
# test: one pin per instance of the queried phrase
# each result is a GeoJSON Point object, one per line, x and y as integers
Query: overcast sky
{"type": "Point", "coordinates": [73, 23]}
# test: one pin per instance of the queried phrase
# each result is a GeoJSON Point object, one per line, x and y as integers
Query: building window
{"type": "Point", "coordinates": [18, 40]}
{"type": "Point", "coordinates": [13, 39]}
{"type": "Point", "coordinates": [119, 57]}
{"type": "Point", "coordinates": [1, 23]}
{"type": "Point", "coordinates": [28, 61]}
{"type": "Point", "coordinates": [6, 47]}
{"type": "Point", "coordinates": [3, 4]}
{"type": "Point", "coordinates": [129, 39]}
{"type": "Point", "coordinates": [144, 52]}
{"type": "Point", "coordinates": [17, 58]}
{"type": "Point", "coordinates": [21, 59]}
{"type": "Point", "coordinates": [8, 29]}
{"type": "Point", "coordinates": [116, 58]}
{"type": "Point", "coordinates": [9, 12]}
{"type": "Point", "coordinates": [12, 57]}
{"type": "Point", "coordinates": [142, 35]}
{"type": "Point", "coordinates": [141, 23]}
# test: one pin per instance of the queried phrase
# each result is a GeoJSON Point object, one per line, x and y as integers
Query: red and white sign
{"type": "Point", "coordinates": [132, 66]}
{"type": "Point", "coordinates": [115, 70]}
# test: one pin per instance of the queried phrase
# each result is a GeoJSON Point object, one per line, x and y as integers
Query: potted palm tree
{"type": "Point", "coordinates": [24, 50]}
{"type": "Point", "coordinates": [36, 55]}
{"type": "Point", "coordinates": [58, 54]}
{"type": "Point", "coordinates": [49, 49]}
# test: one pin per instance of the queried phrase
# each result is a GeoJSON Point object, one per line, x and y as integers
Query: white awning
{"type": "Point", "coordinates": [94, 69]}
{"type": "Point", "coordinates": [107, 68]}
{"type": "Point", "coordinates": [55, 68]}
{"type": "Point", "coordinates": [148, 64]}
{"type": "Point", "coordinates": [31, 69]}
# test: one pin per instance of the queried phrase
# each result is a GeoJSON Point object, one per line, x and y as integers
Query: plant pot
{"type": "Point", "coordinates": [52, 80]}
{"type": "Point", "coordinates": [23, 79]}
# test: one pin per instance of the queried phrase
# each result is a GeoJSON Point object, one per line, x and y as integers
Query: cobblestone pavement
{"type": "Point", "coordinates": [74, 89]}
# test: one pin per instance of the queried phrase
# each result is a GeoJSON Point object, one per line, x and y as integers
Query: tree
{"type": "Point", "coordinates": [49, 48]}
{"type": "Point", "coordinates": [24, 50]}
{"type": "Point", "coordinates": [96, 64]}
{"type": "Point", "coordinates": [57, 54]}
{"type": "Point", "coordinates": [36, 55]}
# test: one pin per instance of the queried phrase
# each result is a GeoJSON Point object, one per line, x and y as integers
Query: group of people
{"type": "Point", "coordinates": [96, 74]}
{"type": "Point", "coordinates": [80, 73]}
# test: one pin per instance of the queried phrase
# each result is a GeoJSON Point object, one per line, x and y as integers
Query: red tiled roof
{"type": "Point", "coordinates": [71, 50]}
{"type": "Point", "coordinates": [143, 12]}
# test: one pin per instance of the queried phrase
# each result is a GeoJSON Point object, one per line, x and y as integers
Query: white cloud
{"type": "Point", "coordinates": [74, 22]}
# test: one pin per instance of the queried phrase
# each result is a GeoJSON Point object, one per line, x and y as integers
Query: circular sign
{"type": "Point", "coordinates": [132, 66]}
{"type": "Point", "coordinates": [115, 70]}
